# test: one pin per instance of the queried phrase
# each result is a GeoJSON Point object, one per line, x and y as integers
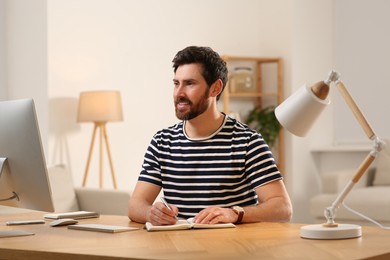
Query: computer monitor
{"type": "Point", "coordinates": [24, 181]}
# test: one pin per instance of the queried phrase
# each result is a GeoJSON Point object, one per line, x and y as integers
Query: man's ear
{"type": "Point", "coordinates": [216, 88]}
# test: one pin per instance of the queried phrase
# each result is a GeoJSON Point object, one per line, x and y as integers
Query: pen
{"type": "Point", "coordinates": [166, 204]}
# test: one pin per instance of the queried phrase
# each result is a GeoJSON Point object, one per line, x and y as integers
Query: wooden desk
{"type": "Point", "coordinates": [247, 241]}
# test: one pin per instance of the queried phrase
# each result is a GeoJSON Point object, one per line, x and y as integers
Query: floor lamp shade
{"type": "Point", "coordinates": [100, 106]}
{"type": "Point", "coordinates": [299, 112]}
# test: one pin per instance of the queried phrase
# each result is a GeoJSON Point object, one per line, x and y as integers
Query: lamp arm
{"type": "Point", "coordinates": [330, 212]}
{"type": "Point", "coordinates": [355, 110]}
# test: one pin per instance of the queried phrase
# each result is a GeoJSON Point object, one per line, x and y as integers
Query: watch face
{"type": "Point", "coordinates": [238, 209]}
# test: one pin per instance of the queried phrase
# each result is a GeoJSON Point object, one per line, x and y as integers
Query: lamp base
{"type": "Point", "coordinates": [340, 231]}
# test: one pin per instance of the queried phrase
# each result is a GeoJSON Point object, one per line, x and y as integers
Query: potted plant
{"type": "Point", "coordinates": [265, 122]}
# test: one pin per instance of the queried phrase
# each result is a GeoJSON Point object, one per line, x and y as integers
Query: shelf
{"type": "Point", "coordinates": [253, 95]}
{"type": "Point", "coordinates": [267, 89]}
{"type": "Point", "coordinates": [255, 59]}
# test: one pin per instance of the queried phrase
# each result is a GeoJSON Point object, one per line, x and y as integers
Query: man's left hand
{"type": "Point", "coordinates": [214, 215]}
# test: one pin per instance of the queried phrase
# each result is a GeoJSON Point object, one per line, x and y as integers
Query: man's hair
{"type": "Point", "coordinates": [214, 67]}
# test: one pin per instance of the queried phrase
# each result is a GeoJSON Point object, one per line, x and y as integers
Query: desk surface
{"type": "Point", "coordinates": [247, 241]}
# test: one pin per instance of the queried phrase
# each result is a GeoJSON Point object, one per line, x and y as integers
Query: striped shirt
{"type": "Point", "coordinates": [221, 170]}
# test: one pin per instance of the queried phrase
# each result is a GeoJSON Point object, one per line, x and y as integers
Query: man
{"type": "Point", "coordinates": [209, 166]}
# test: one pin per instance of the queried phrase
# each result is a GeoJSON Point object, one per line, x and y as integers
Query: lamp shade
{"type": "Point", "coordinates": [100, 106]}
{"type": "Point", "coordinates": [299, 112]}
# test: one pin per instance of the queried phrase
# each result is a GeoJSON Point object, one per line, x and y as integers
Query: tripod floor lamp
{"type": "Point", "coordinates": [297, 114]}
{"type": "Point", "coordinates": [100, 107]}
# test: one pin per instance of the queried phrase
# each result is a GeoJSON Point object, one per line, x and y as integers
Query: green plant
{"type": "Point", "coordinates": [265, 122]}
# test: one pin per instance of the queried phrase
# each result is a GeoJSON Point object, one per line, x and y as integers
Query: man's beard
{"type": "Point", "coordinates": [195, 110]}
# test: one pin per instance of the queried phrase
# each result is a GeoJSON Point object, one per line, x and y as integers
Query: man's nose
{"type": "Point", "coordinates": [180, 89]}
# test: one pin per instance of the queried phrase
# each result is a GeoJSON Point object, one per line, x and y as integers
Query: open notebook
{"type": "Point", "coordinates": [186, 224]}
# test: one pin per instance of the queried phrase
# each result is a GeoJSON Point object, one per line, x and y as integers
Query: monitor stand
{"type": "Point", "coordinates": [3, 161]}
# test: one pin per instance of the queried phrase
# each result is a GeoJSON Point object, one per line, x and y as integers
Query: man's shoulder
{"type": "Point", "coordinates": [238, 126]}
{"type": "Point", "coordinates": [173, 129]}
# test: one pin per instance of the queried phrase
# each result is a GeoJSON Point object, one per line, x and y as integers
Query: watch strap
{"type": "Point", "coordinates": [240, 212]}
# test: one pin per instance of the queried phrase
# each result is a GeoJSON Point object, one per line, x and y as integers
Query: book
{"type": "Point", "coordinates": [186, 224]}
{"type": "Point", "coordinates": [102, 228]}
{"type": "Point", "coordinates": [73, 215]}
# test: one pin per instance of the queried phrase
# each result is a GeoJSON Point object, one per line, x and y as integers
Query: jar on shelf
{"type": "Point", "coordinates": [242, 80]}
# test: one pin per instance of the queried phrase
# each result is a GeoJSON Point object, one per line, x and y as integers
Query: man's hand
{"type": "Point", "coordinates": [159, 214]}
{"type": "Point", "coordinates": [214, 215]}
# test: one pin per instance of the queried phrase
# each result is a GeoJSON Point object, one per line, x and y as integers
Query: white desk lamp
{"type": "Point", "coordinates": [297, 114]}
{"type": "Point", "coordinates": [100, 107]}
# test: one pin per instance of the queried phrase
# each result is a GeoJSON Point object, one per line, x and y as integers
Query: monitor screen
{"type": "Point", "coordinates": [24, 180]}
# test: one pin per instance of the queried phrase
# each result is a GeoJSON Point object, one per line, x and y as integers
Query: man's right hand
{"type": "Point", "coordinates": [159, 214]}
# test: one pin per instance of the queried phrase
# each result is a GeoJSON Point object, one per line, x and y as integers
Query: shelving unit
{"type": "Point", "coordinates": [268, 78]}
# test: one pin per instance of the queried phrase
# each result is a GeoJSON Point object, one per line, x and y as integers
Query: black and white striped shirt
{"type": "Point", "coordinates": [221, 170]}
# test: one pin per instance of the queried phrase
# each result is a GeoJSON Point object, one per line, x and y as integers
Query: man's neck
{"type": "Point", "coordinates": [204, 125]}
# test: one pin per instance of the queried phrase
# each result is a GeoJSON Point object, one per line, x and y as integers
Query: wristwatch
{"type": "Point", "coordinates": [240, 212]}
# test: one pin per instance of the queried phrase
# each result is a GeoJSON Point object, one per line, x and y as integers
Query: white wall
{"type": "Point", "coordinates": [26, 55]}
{"type": "Point", "coordinates": [361, 55]}
{"type": "Point", "coordinates": [3, 74]}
